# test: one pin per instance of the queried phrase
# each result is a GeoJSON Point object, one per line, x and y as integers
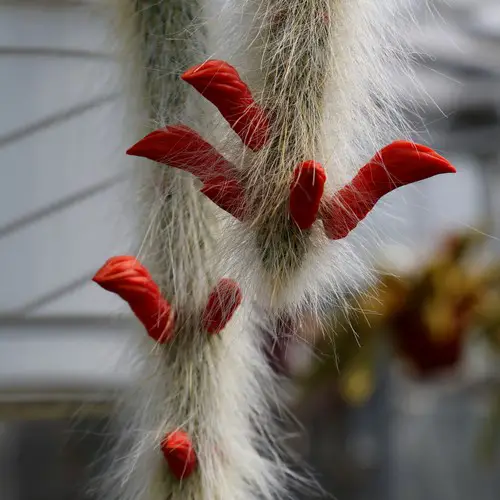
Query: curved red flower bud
{"type": "Point", "coordinates": [305, 193]}
{"type": "Point", "coordinates": [221, 84]}
{"type": "Point", "coordinates": [222, 304]}
{"type": "Point", "coordinates": [126, 277]}
{"type": "Point", "coordinates": [227, 194]}
{"type": "Point", "coordinates": [179, 454]}
{"type": "Point", "coordinates": [181, 147]}
{"type": "Point", "coordinates": [396, 165]}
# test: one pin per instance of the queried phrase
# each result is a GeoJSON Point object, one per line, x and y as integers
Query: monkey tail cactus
{"type": "Point", "coordinates": [265, 157]}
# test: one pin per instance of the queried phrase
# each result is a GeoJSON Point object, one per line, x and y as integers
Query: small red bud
{"type": "Point", "coordinates": [305, 194]}
{"type": "Point", "coordinates": [179, 454]}
{"type": "Point", "coordinates": [222, 304]}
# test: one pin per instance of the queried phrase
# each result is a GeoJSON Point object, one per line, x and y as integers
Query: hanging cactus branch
{"type": "Point", "coordinates": [311, 100]}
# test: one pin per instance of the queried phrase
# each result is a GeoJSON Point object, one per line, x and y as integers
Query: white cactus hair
{"type": "Point", "coordinates": [322, 68]}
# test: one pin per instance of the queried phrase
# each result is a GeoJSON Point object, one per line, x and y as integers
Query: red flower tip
{"type": "Point", "coordinates": [401, 163]}
{"type": "Point", "coordinates": [396, 165]}
{"type": "Point", "coordinates": [222, 304]}
{"type": "Point", "coordinates": [220, 83]}
{"type": "Point", "coordinates": [305, 193]}
{"type": "Point", "coordinates": [179, 454]}
{"type": "Point", "coordinates": [125, 276]}
{"type": "Point", "coordinates": [227, 194]}
{"type": "Point", "coordinates": [181, 147]}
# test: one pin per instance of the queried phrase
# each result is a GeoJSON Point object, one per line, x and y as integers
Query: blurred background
{"type": "Point", "coordinates": [406, 409]}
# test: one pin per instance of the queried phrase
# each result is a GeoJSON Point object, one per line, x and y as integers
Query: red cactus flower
{"type": "Point", "coordinates": [179, 454]}
{"type": "Point", "coordinates": [222, 304]}
{"type": "Point", "coordinates": [126, 277]}
{"type": "Point", "coordinates": [181, 147]}
{"type": "Point", "coordinates": [396, 165]}
{"type": "Point", "coordinates": [221, 84]}
{"type": "Point", "coordinates": [305, 194]}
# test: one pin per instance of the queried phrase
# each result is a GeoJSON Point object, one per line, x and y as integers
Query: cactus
{"type": "Point", "coordinates": [255, 179]}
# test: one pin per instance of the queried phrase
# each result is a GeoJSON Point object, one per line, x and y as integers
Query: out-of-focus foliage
{"type": "Point", "coordinates": [425, 317]}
